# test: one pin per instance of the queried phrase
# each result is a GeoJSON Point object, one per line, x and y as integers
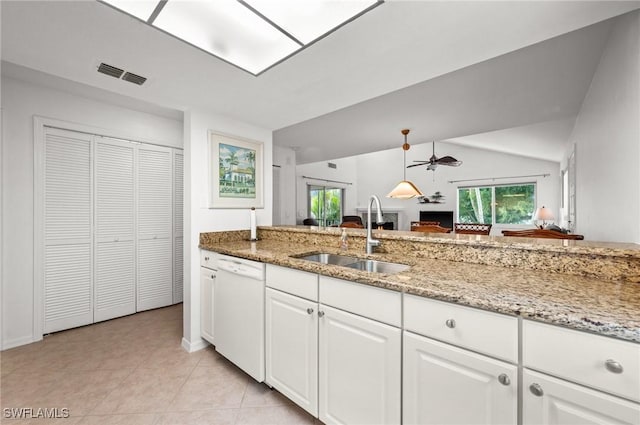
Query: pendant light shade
{"type": "Point", "coordinates": [405, 189]}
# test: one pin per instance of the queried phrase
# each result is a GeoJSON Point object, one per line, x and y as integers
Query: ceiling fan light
{"type": "Point", "coordinates": [405, 190]}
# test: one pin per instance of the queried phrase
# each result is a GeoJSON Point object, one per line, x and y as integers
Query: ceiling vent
{"type": "Point", "coordinates": [133, 78]}
{"type": "Point", "coordinates": [112, 71]}
{"type": "Point", "coordinates": [115, 72]}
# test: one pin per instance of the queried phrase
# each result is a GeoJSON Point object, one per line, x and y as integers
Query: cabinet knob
{"type": "Point", "coordinates": [450, 323]}
{"type": "Point", "coordinates": [536, 390]}
{"type": "Point", "coordinates": [213, 276]}
{"type": "Point", "coordinates": [504, 379]}
{"type": "Point", "coordinates": [206, 258]}
{"type": "Point", "coordinates": [613, 366]}
{"type": "Point", "coordinates": [309, 310]}
{"type": "Point", "coordinates": [320, 313]}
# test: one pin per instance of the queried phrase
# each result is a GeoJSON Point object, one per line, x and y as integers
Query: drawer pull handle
{"type": "Point", "coordinates": [504, 379]}
{"type": "Point", "coordinates": [613, 366]}
{"type": "Point", "coordinates": [206, 258]}
{"type": "Point", "coordinates": [536, 390]}
{"type": "Point", "coordinates": [320, 313]}
{"type": "Point", "coordinates": [309, 310]}
{"type": "Point", "coordinates": [450, 323]}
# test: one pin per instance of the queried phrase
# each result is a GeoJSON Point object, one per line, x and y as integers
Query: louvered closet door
{"type": "Point", "coordinates": [178, 201]}
{"type": "Point", "coordinates": [115, 273]}
{"type": "Point", "coordinates": [68, 287]}
{"type": "Point", "coordinates": [155, 245]}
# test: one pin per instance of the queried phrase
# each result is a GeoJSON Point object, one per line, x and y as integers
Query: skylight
{"type": "Point", "coordinates": [253, 35]}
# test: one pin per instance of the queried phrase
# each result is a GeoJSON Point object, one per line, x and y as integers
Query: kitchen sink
{"type": "Point", "coordinates": [334, 259]}
{"type": "Point", "coordinates": [373, 266]}
{"type": "Point", "coordinates": [378, 266]}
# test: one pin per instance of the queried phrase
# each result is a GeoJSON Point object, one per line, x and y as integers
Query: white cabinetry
{"type": "Point", "coordinates": [611, 367]}
{"type": "Point", "coordinates": [207, 284]}
{"type": "Point", "coordinates": [444, 384]}
{"type": "Point", "coordinates": [551, 401]}
{"type": "Point", "coordinates": [342, 367]}
{"type": "Point", "coordinates": [359, 369]}
{"type": "Point", "coordinates": [292, 348]}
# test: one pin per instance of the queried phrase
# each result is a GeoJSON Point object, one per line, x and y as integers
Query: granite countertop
{"type": "Point", "coordinates": [603, 307]}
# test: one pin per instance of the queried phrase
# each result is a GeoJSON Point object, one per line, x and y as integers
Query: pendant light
{"type": "Point", "coordinates": [405, 189]}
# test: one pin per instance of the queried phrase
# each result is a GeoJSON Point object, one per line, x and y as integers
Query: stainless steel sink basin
{"type": "Point", "coordinates": [334, 259]}
{"type": "Point", "coordinates": [378, 266]}
{"type": "Point", "coordinates": [373, 266]}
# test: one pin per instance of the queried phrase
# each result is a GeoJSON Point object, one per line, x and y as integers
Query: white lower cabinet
{"type": "Point", "coordinates": [443, 384]}
{"type": "Point", "coordinates": [359, 369]}
{"type": "Point", "coordinates": [292, 348]}
{"type": "Point", "coordinates": [552, 401]}
{"type": "Point", "coordinates": [207, 281]}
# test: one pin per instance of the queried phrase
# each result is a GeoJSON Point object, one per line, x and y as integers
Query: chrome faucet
{"type": "Point", "coordinates": [370, 241]}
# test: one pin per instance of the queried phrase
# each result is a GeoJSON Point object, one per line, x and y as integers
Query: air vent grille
{"type": "Point", "coordinates": [116, 72]}
{"type": "Point", "coordinates": [110, 70]}
{"type": "Point", "coordinates": [134, 78]}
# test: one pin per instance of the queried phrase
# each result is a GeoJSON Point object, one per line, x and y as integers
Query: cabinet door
{"type": "Point", "coordinates": [292, 348]}
{"type": "Point", "coordinates": [155, 247]}
{"type": "Point", "coordinates": [115, 267]}
{"type": "Point", "coordinates": [207, 281]}
{"type": "Point", "coordinates": [178, 240]}
{"type": "Point", "coordinates": [359, 369]}
{"type": "Point", "coordinates": [68, 242]}
{"type": "Point", "coordinates": [443, 384]}
{"type": "Point", "coordinates": [551, 401]}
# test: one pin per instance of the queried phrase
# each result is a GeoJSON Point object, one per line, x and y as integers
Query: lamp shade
{"type": "Point", "coordinates": [543, 214]}
{"type": "Point", "coordinates": [404, 190]}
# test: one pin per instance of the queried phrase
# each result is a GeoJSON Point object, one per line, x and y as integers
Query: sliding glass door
{"type": "Point", "coordinates": [325, 204]}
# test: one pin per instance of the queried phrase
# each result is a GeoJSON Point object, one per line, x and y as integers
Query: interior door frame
{"type": "Point", "coordinates": [39, 125]}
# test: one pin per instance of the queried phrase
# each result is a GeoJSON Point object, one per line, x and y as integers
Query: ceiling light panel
{"type": "Point", "coordinates": [310, 19]}
{"type": "Point", "coordinates": [228, 30]}
{"type": "Point", "coordinates": [141, 9]}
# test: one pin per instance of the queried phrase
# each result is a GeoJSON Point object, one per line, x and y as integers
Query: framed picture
{"type": "Point", "coordinates": [235, 172]}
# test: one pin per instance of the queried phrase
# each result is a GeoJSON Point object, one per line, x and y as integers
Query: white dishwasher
{"type": "Point", "coordinates": [238, 313]}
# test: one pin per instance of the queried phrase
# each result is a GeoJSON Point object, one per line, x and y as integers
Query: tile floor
{"type": "Point", "coordinates": [132, 370]}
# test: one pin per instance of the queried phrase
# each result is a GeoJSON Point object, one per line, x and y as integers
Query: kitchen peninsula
{"type": "Point", "coordinates": [517, 330]}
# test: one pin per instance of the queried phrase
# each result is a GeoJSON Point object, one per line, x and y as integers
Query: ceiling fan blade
{"type": "Point", "coordinates": [417, 165]}
{"type": "Point", "coordinates": [449, 160]}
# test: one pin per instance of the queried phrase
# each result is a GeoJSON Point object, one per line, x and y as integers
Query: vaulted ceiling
{"type": "Point", "coordinates": [444, 69]}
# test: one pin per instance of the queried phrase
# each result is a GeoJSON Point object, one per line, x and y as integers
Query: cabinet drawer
{"type": "Point", "coordinates": [208, 259]}
{"type": "Point", "coordinates": [291, 281]}
{"type": "Point", "coordinates": [597, 361]}
{"type": "Point", "coordinates": [483, 331]}
{"type": "Point", "coordinates": [378, 304]}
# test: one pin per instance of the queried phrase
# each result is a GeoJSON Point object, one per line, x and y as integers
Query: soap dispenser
{"type": "Point", "coordinates": [344, 244]}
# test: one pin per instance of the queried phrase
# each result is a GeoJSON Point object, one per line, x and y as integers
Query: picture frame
{"type": "Point", "coordinates": [235, 172]}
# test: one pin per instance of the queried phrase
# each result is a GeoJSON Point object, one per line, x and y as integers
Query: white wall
{"type": "Point", "coordinates": [345, 172]}
{"type": "Point", "coordinates": [607, 139]}
{"type": "Point", "coordinates": [20, 102]}
{"type": "Point", "coordinates": [379, 172]}
{"type": "Point", "coordinates": [199, 218]}
{"type": "Point", "coordinates": [284, 206]}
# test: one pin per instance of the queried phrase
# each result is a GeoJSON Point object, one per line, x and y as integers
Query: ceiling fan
{"type": "Point", "coordinates": [434, 161]}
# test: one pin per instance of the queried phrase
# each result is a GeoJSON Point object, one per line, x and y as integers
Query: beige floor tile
{"type": "Point", "coordinates": [201, 417]}
{"type": "Point", "coordinates": [144, 391]}
{"type": "Point", "coordinates": [81, 391]}
{"type": "Point", "coordinates": [259, 395]}
{"type": "Point", "coordinates": [42, 421]}
{"type": "Point", "coordinates": [130, 419]}
{"type": "Point", "coordinates": [275, 415]}
{"type": "Point", "coordinates": [171, 356]}
{"type": "Point", "coordinates": [210, 388]}
{"type": "Point", "coordinates": [211, 358]}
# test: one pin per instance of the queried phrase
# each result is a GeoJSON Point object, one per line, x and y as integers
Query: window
{"type": "Point", "coordinates": [504, 204]}
{"type": "Point", "coordinates": [325, 204]}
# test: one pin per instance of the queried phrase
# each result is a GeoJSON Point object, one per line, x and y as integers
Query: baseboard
{"type": "Point", "coordinates": [18, 342]}
{"type": "Point", "coordinates": [192, 347]}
